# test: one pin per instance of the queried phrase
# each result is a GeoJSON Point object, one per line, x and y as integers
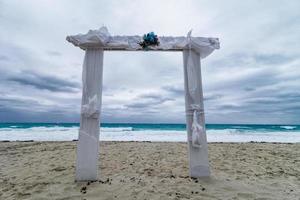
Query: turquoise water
{"type": "Point", "coordinates": [151, 132]}
{"type": "Point", "coordinates": [137, 127]}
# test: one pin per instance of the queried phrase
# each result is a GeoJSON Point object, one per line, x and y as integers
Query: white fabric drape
{"type": "Point", "coordinates": [198, 149]}
{"type": "Point", "coordinates": [192, 85]}
{"type": "Point", "coordinates": [88, 141]}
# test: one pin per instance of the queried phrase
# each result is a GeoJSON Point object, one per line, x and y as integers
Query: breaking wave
{"type": "Point", "coordinates": [152, 132]}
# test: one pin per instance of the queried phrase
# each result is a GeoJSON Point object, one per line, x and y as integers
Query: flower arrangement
{"type": "Point", "coordinates": [149, 39]}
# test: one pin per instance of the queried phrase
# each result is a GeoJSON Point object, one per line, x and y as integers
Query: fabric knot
{"type": "Point", "coordinates": [197, 129]}
{"type": "Point", "coordinates": [91, 109]}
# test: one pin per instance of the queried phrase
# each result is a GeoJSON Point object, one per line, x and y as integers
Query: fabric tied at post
{"type": "Point", "coordinates": [197, 129]}
{"type": "Point", "coordinates": [91, 109]}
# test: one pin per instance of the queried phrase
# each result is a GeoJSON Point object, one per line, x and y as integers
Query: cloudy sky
{"type": "Point", "coordinates": [253, 78]}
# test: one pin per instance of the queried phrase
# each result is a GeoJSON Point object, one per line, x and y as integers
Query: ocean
{"type": "Point", "coordinates": [150, 132]}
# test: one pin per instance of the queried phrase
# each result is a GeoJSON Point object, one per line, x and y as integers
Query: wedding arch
{"type": "Point", "coordinates": [95, 42]}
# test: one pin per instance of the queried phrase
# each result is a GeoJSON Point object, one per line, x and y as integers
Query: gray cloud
{"type": "Point", "coordinates": [212, 97]}
{"type": "Point", "coordinates": [28, 109]}
{"type": "Point", "coordinates": [4, 58]}
{"type": "Point", "coordinates": [16, 115]}
{"type": "Point", "coordinates": [249, 89]}
{"type": "Point", "coordinates": [53, 53]}
{"type": "Point", "coordinates": [273, 59]}
{"type": "Point", "coordinates": [148, 101]}
{"type": "Point", "coordinates": [176, 90]}
{"type": "Point", "coordinates": [45, 82]}
{"type": "Point", "coordinates": [9, 102]}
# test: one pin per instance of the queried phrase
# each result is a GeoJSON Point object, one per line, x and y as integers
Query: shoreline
{"type": "Point", "coordinates": [150, 170]}
{"type": "Point", "coordinates": [61, 141]}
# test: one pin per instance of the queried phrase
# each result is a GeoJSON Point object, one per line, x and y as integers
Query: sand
{"type": "Point", "coordinates": [144, 170]}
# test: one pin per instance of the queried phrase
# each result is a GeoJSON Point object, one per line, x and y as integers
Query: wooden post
{"type": "Point", "coordinates": [198, 156]}
{"type": "Point", "coordinates": [88, 141]}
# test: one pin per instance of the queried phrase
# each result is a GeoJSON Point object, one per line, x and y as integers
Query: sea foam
{"type": "Point", "coordinates": [155, 133]}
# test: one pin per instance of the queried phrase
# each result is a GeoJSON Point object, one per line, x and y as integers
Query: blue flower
{"type": "Point", "coordinates": [149, 39]}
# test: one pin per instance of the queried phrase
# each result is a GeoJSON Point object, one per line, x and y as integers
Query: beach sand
{"type": "Point", "coordinates": [145, 170]}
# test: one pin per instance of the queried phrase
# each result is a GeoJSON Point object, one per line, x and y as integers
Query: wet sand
{"type": "Point", "coordinates": [145, 170]}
